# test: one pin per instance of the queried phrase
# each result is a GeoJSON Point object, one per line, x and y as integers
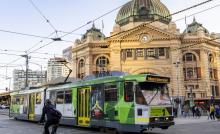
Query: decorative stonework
{"type": "Point", "coordinates": [148, 48]}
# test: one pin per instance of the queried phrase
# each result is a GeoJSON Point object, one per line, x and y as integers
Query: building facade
{"type": "Point", "coordinates": [56, 68]}
{"type": "Point", "coordinates": [145, 40]}
{"type": "Point", "coordinates": [35, 78]}
{"type": "Point", "coordinates": [67, 54]}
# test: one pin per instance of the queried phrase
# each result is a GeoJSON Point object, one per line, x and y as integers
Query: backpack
{"type": "Point", "coordinates": [55, 113]}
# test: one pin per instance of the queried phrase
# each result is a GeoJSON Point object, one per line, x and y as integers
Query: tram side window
{"type": "Point", "coordinates": [17, 101]}
{"type": "Point", "coordinates": [22, 100]}
{"type": "Point", "coordinates": [60, 97]}
{"type": "Point", "coordinates": [38, 98]}
{"type": "Point", "coordinates": [53, 97]}
{"type": "Point", "coordinates": [68, 97]}
{"type": "Point", "coordinates": [128, 92]}
{"type": "Point", "coordinates": [111, 92]}
{"type": "Point", "coordinates": [14, 101]}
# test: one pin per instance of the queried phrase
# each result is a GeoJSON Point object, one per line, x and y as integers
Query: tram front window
{"type": "Point", "coordinates": [148, 93]}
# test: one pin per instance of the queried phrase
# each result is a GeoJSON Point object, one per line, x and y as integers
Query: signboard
{"type": "Point", "coordinates": [158, 79]}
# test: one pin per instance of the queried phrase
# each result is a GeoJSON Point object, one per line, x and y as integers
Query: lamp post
{"type": "Point", "coordinates": [27, 65]}
{"type": "Point", "coordinates": [178, 97]}
{"type": "Point", "coordinates": [191, 98]}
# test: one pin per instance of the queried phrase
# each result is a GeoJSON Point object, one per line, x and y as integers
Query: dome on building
{"type": "Point", "coordinates": [194, 27]}
{"type": "Point", "coordinates": [143, 10]}
{"type": "Point", "coordinates": [94, 33]}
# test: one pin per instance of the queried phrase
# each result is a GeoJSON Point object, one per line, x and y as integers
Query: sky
{"type": "Point", "coordinates": [67, 15]}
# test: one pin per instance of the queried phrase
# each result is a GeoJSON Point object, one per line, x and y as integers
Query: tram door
{"type": "Point", "coordinates": [31, 106]}
{"type": "Point", "coordinates": [84, 106]}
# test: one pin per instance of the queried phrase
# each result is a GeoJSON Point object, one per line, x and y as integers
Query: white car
{"type": "Point", "coordinates": [4, 107]}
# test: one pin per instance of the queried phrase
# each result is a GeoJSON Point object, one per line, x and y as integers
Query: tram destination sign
{"type": "Point", "coordinates": [157, 79]}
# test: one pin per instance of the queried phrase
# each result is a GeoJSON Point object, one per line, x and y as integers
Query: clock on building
{"type": "Point", "coordinates": [144, 38]}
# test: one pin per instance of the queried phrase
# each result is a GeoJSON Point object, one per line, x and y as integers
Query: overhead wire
{"type": "Point", "coordinates": [17, 51]}
{"type": "Point", "coordinates": [170, 15]}
{"type": "Point", "coordinates": [35, 45]}
{"type": "Point", "coordinates": [188, 8]}
{"type": "Point", "coordinates": [41, 13]}
{"type": "Point", "coordinates": [24, 34]}
{"type": "Point", "coordinates": [21, 55]}
{"type": "Point", "coordinates": [195, 44]}
{"type": "Point", "coordinates": [89, 22]}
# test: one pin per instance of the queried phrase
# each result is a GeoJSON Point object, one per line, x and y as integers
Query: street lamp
{"type": "Point", "coordinates": [177, 78]}
{"type": "Point", "coordinates": [191, 98]}
{"type": "Point", "coordinates": [27, 61]}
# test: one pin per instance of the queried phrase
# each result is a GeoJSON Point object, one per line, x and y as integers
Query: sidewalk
{"type": "Point", "coordinates": [191, 120]}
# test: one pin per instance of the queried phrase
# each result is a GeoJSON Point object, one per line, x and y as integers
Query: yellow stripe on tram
{"type": "Point", "coordinates": [142, 119]}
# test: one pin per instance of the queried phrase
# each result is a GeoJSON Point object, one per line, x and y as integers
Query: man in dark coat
{"type": "Point", "coordinates": [53, 117]}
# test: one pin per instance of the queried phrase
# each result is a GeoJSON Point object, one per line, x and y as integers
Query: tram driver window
{"type": "Point", "coordinates": [128, 92]}
{"type": "Point", "coordinates": [110, 92]}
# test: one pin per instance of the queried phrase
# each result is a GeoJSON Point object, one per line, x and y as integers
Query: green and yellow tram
{"type": "Point", "coordinates": [131, 103]}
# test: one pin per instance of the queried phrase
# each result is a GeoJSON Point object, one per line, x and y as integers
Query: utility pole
{"type": "Point", "coordinates": [178, 96]}
{"type": "Point", "coordinates": [191, 98]}
{"type": "Point", "coordinates": [27, 64]}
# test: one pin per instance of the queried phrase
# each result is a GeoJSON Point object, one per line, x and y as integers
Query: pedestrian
{"type": "Point", "coordinates": [217, 112]}
{"type": "Point", "coordinates": [197, 112]}
{"type": "Point", "coordinates": [186, 110]}
{"type": "Point", "coordinates": [212, 112]}
{"type": "Point", "coordinates": [175, 110]}
{"type": "Point", "coordinates": [193, 111]}
{"type": "Point", "coordinates": [208, 112]}
{"type": "Point", "coordinates": [53, 117]}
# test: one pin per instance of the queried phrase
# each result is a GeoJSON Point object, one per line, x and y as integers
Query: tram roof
{"type": "Point", "coordinates": [4, 94]}
{"type": "Point", "coordinates": [107, 79]}
{"type": "Point", "coordinates": [130, 77]}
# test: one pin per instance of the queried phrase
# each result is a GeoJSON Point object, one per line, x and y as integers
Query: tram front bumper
{"type": "Point", "coordinates": [161, 122]}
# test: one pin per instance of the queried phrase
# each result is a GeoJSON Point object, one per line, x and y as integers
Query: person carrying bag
{"type": "Point", "coordinates": [53, 117]}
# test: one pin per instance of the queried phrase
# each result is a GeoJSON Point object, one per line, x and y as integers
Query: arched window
{"type": "Point", "coordinates": [213, 73]}
{"type": "Point", "coordinates": [102, 65]}
{"type": "Point", "coordinates": [211, 59]}
{"type": "Point", "coordinates": [81, 69]}
{"type": "Point", "coordinates": [189, 57]}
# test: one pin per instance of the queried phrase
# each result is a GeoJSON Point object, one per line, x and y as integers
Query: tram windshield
{"type": "Point", "coordinates": [148, 93]}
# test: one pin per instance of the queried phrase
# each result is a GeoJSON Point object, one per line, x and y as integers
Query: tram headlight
{"type": "Point", "coordinates": [167, 118]}
{"type": "Point", "coordinates": [156, 119]}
